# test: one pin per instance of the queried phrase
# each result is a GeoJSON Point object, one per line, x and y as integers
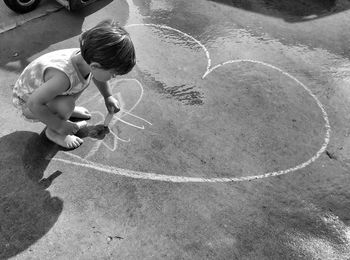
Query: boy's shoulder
{"type": "Point", "coordinates": [55, 73]}
{"type": "Point", "coordinates": [60, 59]}
{"type": "Point", "coordinates": [58, 54]}
{"type": "Point", "coordinates": [54, 63]}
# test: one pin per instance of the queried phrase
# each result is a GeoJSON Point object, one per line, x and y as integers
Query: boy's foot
{"type": "Point", "coordinates": [66, 141]}
{"type": "Point", "coordinates": [81, 113]}
{"type": "Point", "coordinates": [82, 124]}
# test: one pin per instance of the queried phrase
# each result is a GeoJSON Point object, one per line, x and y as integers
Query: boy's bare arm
{"type": "Point", "coordinates": [112, 104]}
{"type": "Point", "coordinates": [103, 87]}
{"type": "Point", "coordinates": [37, 101]}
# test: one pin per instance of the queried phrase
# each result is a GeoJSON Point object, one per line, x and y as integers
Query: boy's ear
{"type": "Point", "coordinates": [95, 65]}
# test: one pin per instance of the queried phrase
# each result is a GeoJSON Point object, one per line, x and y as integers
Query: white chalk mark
{"type": "Point", "coordinates": [93, 98]}
{"type": "Point", "coordinates": [171, 178]}
{"type": "Point", "coordinates": [118, 138]}
{"type": "Point", "coordinates": [112, 119]}
{"type": "Point", "coordinates": [324, 113]}
{"type": "Point", "coordinates": [114, 84]}
{"type": "Point", "coordinates": [93, 150]}
{"type": "Point", "coordinates": [130, 124]}
{"type": "Point", "coordinates": [126, 112]}
{"type": "Point", "coordinates": [96, 146]}
{"type": "Point", "coordinates": [180, 32]}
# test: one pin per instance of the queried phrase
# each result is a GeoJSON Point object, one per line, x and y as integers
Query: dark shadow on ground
{"type": "Point", "coordinates": [27, 210]}
{"type": "Point", "coordinates": [98, 132]}
{"type": "Point", "coordinates": [17, 46]}
{"type": "Point", "coordinates": [291, 11]}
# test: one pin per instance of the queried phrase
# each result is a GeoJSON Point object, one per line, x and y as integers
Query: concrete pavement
{"type": "Point", "coordinates": [234, 142]}
{"type": "Point", "coordinates": [10, 20]}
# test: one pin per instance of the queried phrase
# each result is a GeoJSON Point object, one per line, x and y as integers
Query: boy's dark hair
{"type": "Point", "coordinates": [110, 45]}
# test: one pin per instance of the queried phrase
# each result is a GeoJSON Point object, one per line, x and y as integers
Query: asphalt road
{"type": "Point", "coordinates": [233, 143]}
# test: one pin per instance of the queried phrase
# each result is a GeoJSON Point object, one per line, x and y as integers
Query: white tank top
{"type": "Point", "coordinates": [32, 76]}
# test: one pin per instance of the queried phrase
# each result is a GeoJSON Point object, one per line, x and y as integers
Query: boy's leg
{"type": "Point", "coordinates": [28, 114]}
{"type": "Point", "coordinates": [80, 112]}
{"type": "Point", "coordinates": [63, 106]}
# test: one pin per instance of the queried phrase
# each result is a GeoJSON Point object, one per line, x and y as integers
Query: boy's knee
{"type": "Point", "coordinates": [63, 106]}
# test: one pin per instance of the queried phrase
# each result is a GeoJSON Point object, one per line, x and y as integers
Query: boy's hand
{"type": "Point", "coordinates": [68, 128]}
{"type": "Point", "coordinates": [112, 104]}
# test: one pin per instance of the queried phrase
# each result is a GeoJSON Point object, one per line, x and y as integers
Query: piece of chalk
{"type": "Point", "coordinates": [108, 119]}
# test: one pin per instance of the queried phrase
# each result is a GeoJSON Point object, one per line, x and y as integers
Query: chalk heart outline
{"type": "Point", "coordinates": [160, 177]}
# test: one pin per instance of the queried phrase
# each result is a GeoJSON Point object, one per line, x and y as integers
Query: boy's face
{"type": "Point", "coordinates": [101, 74]}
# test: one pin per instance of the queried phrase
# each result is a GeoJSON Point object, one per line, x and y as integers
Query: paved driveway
{"type": "Point", "coordinates": [10, 19]}
{"type": "Point", "coordinates": [233, 142]}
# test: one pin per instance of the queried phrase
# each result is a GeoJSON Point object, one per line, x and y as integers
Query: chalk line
{"type": "Point", "coordinates": [116, 118]}
{"type": "Point", "coordinates": [172, 178]}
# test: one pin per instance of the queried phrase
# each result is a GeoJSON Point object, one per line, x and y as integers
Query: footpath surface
{"type": "Point", "coordinates": [234, 144]}
{"type": "Point", "coordinates": [10, 20]}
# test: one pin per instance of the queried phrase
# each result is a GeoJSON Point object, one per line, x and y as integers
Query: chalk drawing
{"type": "Point", "coordinates": [83, 162]}
{"type": "Point", "coordinates": [116, 118]}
